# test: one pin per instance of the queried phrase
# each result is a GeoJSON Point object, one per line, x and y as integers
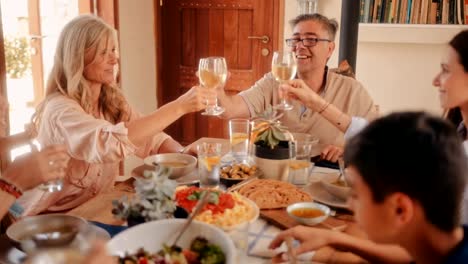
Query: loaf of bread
{"type": "Point", "coordinates": [271, 194]}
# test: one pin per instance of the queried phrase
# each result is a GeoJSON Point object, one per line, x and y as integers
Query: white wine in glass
{"type": "Point", "coordinates": [212, 73]}
{"type": "Point", "coordinates": [283, 68]}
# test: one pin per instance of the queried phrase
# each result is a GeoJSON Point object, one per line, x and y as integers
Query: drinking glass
{"type": "Point", "coordinates": [212, 72]}
{"type": "Point", "coordinates": [240, 236]}
{"type": "Point", "coordinates": [283, 68]}
{"type": "Point", "coordinates": [52, 185]}
{"type": "Point", "coordinates": [300, 167]}
{"type": "Point", "coordinates": [239, 138]}
{"type": "Point", "coordinates": [209, 161]}
{"type": "Point", "coordinates": [73, 252]}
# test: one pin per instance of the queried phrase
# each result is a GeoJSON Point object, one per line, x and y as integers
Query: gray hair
{"type": "Point", "coordinates": [331, 25]}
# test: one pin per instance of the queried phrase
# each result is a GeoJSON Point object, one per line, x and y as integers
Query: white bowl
{"type": "Point", "coordinates": [52, 229]}
{"type": "Point", "coordinates": [188, 163]}
{"type": "Point", "coordinates": [309, 205]}
{"type": "Point", "coordinates": [151, 236]}
{"type": "Point", "coordinates": [329, 185]}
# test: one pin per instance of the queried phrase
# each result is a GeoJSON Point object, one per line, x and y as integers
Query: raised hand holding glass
{"type": "Point", "coordinates": [283, 68]}
{"type": "Point", "coordinates": [212, 72]}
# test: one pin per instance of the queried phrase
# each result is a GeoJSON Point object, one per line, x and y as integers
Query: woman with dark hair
{"type": "Point", "coordinates": [452, 82]}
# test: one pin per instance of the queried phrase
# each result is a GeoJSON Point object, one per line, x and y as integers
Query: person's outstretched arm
{"type": "Point", "coordinates": [315, 238]}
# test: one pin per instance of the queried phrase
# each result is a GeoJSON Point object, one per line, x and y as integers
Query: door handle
{"type": "Point", "coordinates": [36, 37]}
{"type": "Point", "coordinates": [265, 39]}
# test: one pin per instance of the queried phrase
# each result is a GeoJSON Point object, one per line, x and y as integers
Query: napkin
{"type": "Point", "coordinates": [111, 229]}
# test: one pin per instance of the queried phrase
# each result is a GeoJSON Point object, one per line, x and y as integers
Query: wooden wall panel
{"type": "Point", "coordinates": [231, 43]}
{"type": "Point", "coordinates": [203, 27]}
{"type": "Point", "coordinates": [216, 32]}
{"type": "Point", "coordinates": [221, 28]}
{"type": "Point", "coordinates": [188, 36]}
{"type": "Point", "coordinates": [245, 44]}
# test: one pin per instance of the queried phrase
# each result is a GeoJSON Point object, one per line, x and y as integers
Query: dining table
{"type": "Point", "coordinates": [261, 231]}
{"type": "Point", "coordinates": [98, 211]}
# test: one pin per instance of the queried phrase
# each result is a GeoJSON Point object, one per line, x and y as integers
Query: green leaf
{"type": "Point", "coordinates": [194, 196]}
{"type": "Point", "coordinates": [214, 198]}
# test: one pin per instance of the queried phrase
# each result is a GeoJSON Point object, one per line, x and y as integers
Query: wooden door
{"type": "Point", "coordinates": [192, 29]}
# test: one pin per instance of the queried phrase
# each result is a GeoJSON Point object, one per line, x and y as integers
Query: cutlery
{"type": "Point", "coordinates": [239, 185]}
{"type": "Point", "coordinates": [339, 228]}
{"type": "Point", "coordinates": [201, 203]}
{"type": "Point", "coordinates": [341, 177]}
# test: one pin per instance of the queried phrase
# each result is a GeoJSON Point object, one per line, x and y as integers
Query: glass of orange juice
{"type": "Point", "coordinates": [209, 161]}
{"type": "Point", "coordinates": [239, 138]}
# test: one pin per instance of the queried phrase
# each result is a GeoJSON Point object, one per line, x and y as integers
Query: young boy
{"type": "Point", "coordinates": [408, 173]}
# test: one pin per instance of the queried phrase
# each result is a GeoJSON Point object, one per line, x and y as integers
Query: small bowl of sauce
{"type": "Point", "coordinates": [308, 213]}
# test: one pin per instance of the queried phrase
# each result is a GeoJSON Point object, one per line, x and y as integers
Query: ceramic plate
{"type": "Point", "coordinates": [321, 195]}
{"type": "Point", "coordinates": [100, 232]}
{"type": "Point", "coordinates": [189, 179]}
{"type": "Point", "coordinates": [152, 235]}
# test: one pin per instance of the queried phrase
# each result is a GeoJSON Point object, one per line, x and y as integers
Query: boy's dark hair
{"type": "Point", "coordinates": [331, 25]}
{"type": "Point", "coordinates": [416, 154]}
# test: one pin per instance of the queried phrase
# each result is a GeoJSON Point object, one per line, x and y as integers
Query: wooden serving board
{"type": "Point", "coordinates": [281, 219]}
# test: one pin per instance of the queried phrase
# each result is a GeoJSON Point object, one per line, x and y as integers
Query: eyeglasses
{"type": "Point", "coordinates": [307, 42]}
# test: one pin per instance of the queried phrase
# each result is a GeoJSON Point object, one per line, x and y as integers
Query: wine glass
{"type": "Point", "coordinates": [212, 72]}
{"type": "Point", "coordinates": [283, 68]}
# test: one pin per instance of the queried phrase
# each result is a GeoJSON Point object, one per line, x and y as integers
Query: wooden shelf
{"type": "Point", "coordinates": [408, 33]}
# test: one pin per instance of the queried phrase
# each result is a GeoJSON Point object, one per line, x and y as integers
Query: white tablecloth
{"type": "Point", "coordinates": [261, 234]}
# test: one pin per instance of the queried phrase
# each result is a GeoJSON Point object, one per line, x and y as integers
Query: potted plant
{"type": "Point", "coordinates": [272, 144]}
{"type": "Point", "coordinates": [154, 199]}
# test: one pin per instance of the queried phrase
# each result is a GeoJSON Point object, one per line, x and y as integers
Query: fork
{"type": "Point", "coordinates": [198, 207]}
{"type": "Point", "coordinates": [342, 169]}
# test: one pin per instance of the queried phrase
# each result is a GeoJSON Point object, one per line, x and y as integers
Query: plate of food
{"type": "Point", "coordinates": [188, 179]}
{"type": "Point", "coordinates": [273, 194]}
{"type": "Point", "coordinates": [179, 163]}
{"type": "Point", "coordinates": [150, 242]}
{"type": "Point", "coordinates": [238, 172]}
{"type": "Point", "coordinates": [224, 209]}
{"type": "Point", "coordinates": [321, 195]}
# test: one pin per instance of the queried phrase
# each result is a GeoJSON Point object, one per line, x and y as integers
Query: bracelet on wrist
{"type": "Point", "coordinates": [10, 188]}
{"type": "Point", "coordinates": [324, 107]}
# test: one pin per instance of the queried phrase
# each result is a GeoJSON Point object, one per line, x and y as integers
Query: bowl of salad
{"type": "Point", "coordinates": [151, 242]}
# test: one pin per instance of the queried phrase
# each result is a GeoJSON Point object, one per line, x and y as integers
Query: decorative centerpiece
{"type": "Point", "coordinates": [268, 132]}
{"type": "Point", "coordinates": [272, 144]}
{"type": "Point", "coordinates": [154, 200]}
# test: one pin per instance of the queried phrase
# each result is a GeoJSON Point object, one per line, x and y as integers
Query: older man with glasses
{"type": "Point", "coordinates": [313, 42]}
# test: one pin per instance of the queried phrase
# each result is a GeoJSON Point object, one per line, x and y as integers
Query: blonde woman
{"type": "Point", "coordinates": [84, 110]}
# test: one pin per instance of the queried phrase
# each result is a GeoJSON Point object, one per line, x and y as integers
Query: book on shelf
{"type": "Point", "coordinates": [414, 11]}
{"type": "Point", "coordinates": [465, 10]}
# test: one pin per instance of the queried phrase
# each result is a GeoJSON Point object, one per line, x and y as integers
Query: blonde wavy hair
{"type": "Point", "coordinates": [83, 34]}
